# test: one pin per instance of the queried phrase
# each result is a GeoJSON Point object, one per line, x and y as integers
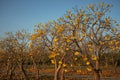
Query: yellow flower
{"type": "Point", "coordinates": [71, 65]}
{"type": "Point", "coordinates": [102, 4]}
{"type": "Point", "coordinates": [113, 48]}
{"type": "Point", "coordinates": [102, 43]}
{"type": "Point", "coordinates": [107, 22]}
{"type": "Point", "coordinates": [75, 58]}
{"type": "Point", "coordinates": [99, 15]}
{"type": "Point", "coordinates": [78, 71]}
{"type": "Point", "coordinates": [89, 45]}
{"type": "Point", "coordinates": [56, 39]}
{"type": "Point", "coordinates": [89, 69]}
{"type": "Point", "coordinates": [90, 49]}
{"type": "Point", "coordinates": [76, 53]}
{"type": "Point", "coordinates": [87, 63]}
{"type": "Point", "coordinates": [77, 21]}
{"type": "Point", "coordinates": [53, 54]}
{"type": "Point", "coordinates": [85, 20]}
{"type": "Point", "coordinates": [81, 15]}
{"type": "Point", "coordinates": [31, 44]}
{"type": "Point", "coordinates": [79, 64]}
{"type": "Point", "coordinates": [41, 32]}
{"type": "Point", "coordinates": [80, 39]}
{"type": "Point", "coordinates": [94, 57]}
{"type": "Point", "coordinates": [67, 49]}
{"type": "Point", "coordinates": [85, 59]}
{"type": "Point", "coordinates": [52, 61]}
{"type": "Point", "coordinates": [60, 62]}
{"type": "Point", "coordinates": [111, 43]}
{"type": "Point", "coordinates": [106, 38]}
{"type": "Point", "coordinates": [31, 54]}
{"type": "Point", "coordinates": [68, 40]}
{"type": "Point", "coordinates": [83, 34]}
{"type": "Point", "coordinates": [60, 29]}
{"type": "Point", "coordinates": [66, 16]}
{"type": "Point", "coordinates": [114, 29]}
{"type": "Point", "coordinates": [64, 65]}
{"type": "Point", "coordinates": [73, 37]}
{"type": "Point", "coordinates": [65, 70]}
{"type": "Point", "coordinates": [117, 42]}
{"type": "Point", "coordinates": [33, 37]}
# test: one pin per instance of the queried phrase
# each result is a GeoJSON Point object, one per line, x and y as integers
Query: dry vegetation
{"type": "Point", "coordinates": [81, 45]}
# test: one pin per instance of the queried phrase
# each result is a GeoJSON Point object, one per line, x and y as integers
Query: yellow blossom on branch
{"type": "Point", "coordinates": [67, 49]}
{"type": "Point", "coordinates": [107, 22]}
{"type": "Point", "coordinates": [65, 70]}
{"type": "Point", "coordinates": [66, 16]}
{"type": "Point", "coordinates": [78, 71]}
{"type": "Point", "coordinates": [94, 57]}
{"type": "Point", "coordinates": [33, 37]}
{"type": "Point", "coordinates": [89, 69]}
{"type": "Point", "coordinates": [64, 65]}
{"type": "Point", "coordinates": [52, 61]}
{"type": "Point", "coordinates": [75, 59]}
{"type": "Point", "coordinates": [56, 39]}
{"type": "Point", "coordinates": [99, 15]}
{"type": "Point", "coordinates": [85, 59]}
{"type": "Point", "coordinates": [68, 40]}
{"type": "Point", "coordinates": [60, 62]}
{"type": "Point", "coordinates": [53, 54]}
{"type": "Point", "coordinates": [71, 65]}
{"type": "Point", "coordinates": [87, 63]}
{"type": "Point", "coordinates": [81, 15]}
{"type": "Point", "coordinates": [76, 53]}
{"type": "Point", "coordinates": [41, 33]}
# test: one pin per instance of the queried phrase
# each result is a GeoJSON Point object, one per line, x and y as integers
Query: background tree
{"type": "Point", "coordinates": [15, 48]}
{"type": "Point", "coordinates": [38, 50]}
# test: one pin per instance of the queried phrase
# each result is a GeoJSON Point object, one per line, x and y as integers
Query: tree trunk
{"type": "Point", "coordinates": [62, 74]}
{"type": "Point", "coordinates": [11, 75]}
{"type": "Point", "coordinates": [57, 68]}
{"type": "Point", "coordinates": [36, 68]}
{"type": "Point", "coordinates": [115, 67]}
{"type": "Point", "coordinates": [106, 62]}
{"type": "Point", "coordinates": [37, 74]}
{"type": "Point", "coordinates": [97, 71]}
{"type": "Point", "coordinates": [8, 69]}
{"type": "Point", "coordinates": [56, 75]}
{"type": "Point", "coordinates": [24, 72]}
{"type": "Point", "coordinates": [56, 71]}
{"type": "Point", "coordinates": [97, 75]}
{"type": "Point", "coordinates": [12, 69]}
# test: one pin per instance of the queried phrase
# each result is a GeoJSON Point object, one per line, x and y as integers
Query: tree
{"type": "Point", "coordinates": [15, 49]}
{"type": "Point", "coordinates": [93, 34]}
{"type": "Point", "coordinates": [38, 52]}
{"type": "Point", "coordinates": [88, 33]}
{"type": "Point", "coordinates": [50, 39]}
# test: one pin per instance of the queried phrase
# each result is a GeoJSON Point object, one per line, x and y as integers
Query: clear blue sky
{"type": "Point", "coordinates": [24, 14]}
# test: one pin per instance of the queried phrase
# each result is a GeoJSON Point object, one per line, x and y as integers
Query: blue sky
{"type": "Point", "coordinates": [24, 14]}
